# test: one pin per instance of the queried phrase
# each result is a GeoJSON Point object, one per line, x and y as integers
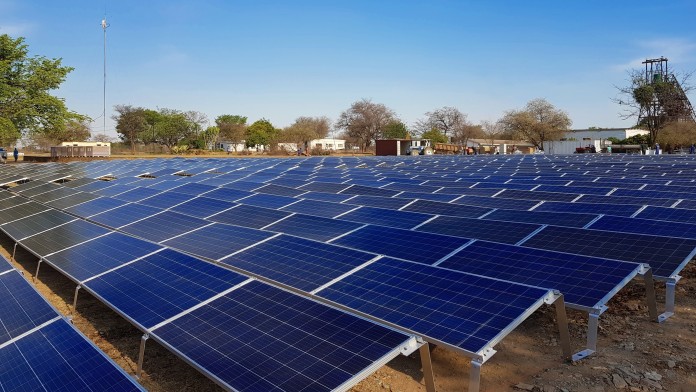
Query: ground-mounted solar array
{"type": "Point", "coordinates": [277, 262]}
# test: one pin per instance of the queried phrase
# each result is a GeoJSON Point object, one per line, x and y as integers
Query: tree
{"type": "Point", "coordinates": [130, 124]}
{"type": "Point", "coordinates": [209, 136]}
{"type": "Point", "coordinates": [262, 133]}
{"type": "Point", "coordinates": [25, 82]}
{"type": "Point", "coordinates": [173, 127]}
{"type": "Point", "coordinates": [364, 121]}
{"type": "Point", "coordinates": [306, 129]}
{"type": "Point", "coordinates": [395, 130]}
{"type": "Point", "coordinates": [199, 121]}
{"type": "Point", "coordinates": [102, 137]}
{"type": "Point", "coordinates": [538, 122]}
{"type": "Point", "coordinates": [435, 136]}
{"type": "Point", "coordinates": [677, 134]}
{"type": "Point", "coordinates": [448, 120]}
{"type": "Point", "coordinates": [463, 133]}
{"type": "Point", "coordinates": [232, 128]}
{"type": "Point", "coordinates": [655, 97]}
{"type": "Point", "coordinates": [491, 130]}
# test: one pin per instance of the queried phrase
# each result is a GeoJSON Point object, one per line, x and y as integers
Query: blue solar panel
{"type": "Point", "coordinates": [463, 310]}
{"type": "Point", "coordinates": [326, 187]}
{"type": "Point", "coordinates": [267, 201]}
{"type": "Point", "coordinates": [368, 191]}
{"type": "Point", "coordinates": [438, 208]}
{"type": "Point", "coordinates": [496, 202]}
{"type": "Point", "coordinates": [194, 189]}
{"type": "Point", "coordinates": [260, 338]}
{"type": "Point", "coordinates": [645, 226]}
{"type": "Point", "coordinates": [584, 281]}
{"type": "Point", "coordinates": [61, 237]}
{"type": "Point", "coordinates": [72, 200]}
{"type": "Point", "coordinates": [33, 224]}
{"type": "Point", "coordinates": [687, 204]}
{"type": "Point", "coordinates": [137, 194]}
{"type": "Point", "coordinates": [113, 190]}
{"type": "Point", "coordinates": [498, 231]}
{"type": "Point", "coordinates": [384, 217]}
{"type": "Point", "coordinates": [665, 255]}
{"type": "Point", "coordinates": [202, 207]}
{"type": "Point", "coordinates": [668, 214]}
{"type": "Point", "coordinates": [161, 285]}
{"type": "Point", "coordinates": [297, 262]}
{"type": "Point", "coordinates": [58, 358]}
{"type": "Point", "coordinates": [319, 208]}
{"type": "Point", "coordinates": [166, 199]}
{"type": "Point", "coordinates": [587, 190]}
{"type": "Point", "coordinates": [127, 214]}
{"type": "Point", "coordinates": [21, 307]}
{"type": "Point", "coordinates": [330, 197]}
{"type": "Point", "coordinates": [227, 194]}
{"type": "Point", "coordinates": [618, 200]}
{"type": "Point", "coordinates": [95, 206]}
{"type": "Point", "coordinates": [95, 186]}
{"type": "Point", "coordinates": [391, 203]}
{"type": "Point", "coordinates": [249, 216]}
{"type": "Point", "coordinates": [589, 208]}
{"type": "Point", "coordinates": [400, 243]}
{"type": "Point", "coordinates": [217, 241]}
{"type": "Point", "coordinates": [278, 190]}
{"type": "Point", "coordinates": [313, 227]}
{"type": "Point", "coordinates": [163, 226]}
{"type": "Point", "coordinates": [100, 255]}
{"type": "Point", "coordinates": [567, 219]}
{"type": "Point", "coordinates": [428, 196]}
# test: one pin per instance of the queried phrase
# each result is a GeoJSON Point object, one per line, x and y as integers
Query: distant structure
{"type": "Point", "coordinates": [668, 101]}
{"type": "Point", "coordinates": [602, 134]}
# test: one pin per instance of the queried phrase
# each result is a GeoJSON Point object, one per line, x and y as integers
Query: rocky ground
{"type": "Point", "coordinates": [635, 354]}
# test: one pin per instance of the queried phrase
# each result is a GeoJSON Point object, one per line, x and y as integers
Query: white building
{"type": "Point", "coordinates": [602, 134]}
{"type": "Point", "coordinates": [324, 144]}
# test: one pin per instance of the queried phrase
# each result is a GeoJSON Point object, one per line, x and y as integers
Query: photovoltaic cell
{"type": "Point", "coordinates": [137, 194]}
{"type": "Point", "coordinates": [297, 262]}
{"type": "Point", "coordinates": [645, 226]}
{"type": "Point", "coordinates": [267, 201]}
{"type": "Point", "coordinates": [217, 240]}
{"type": "Point", "coordinates": [668, 214]}
{"type": "Point", "coordinates": [584, 281]}
{"type": "Point", "coordinates": [70, 201]}
{"type": "Point", "coordinates": [278, 190]}
{"type": "Point", "coordinates": [313, 227]}
{"type": "Point", "coordinates": [94, 207]}
{"type": "Point", "coordinates": [400, 243]}
{"type": "Point", "coordinates": [161, 285]}
{"type": "Point", "coordinates": [384, 217]}
{"type": "Point", "coordinates": [619, 200]}
{"type": "Point", "coordinates": [227, 194]}
{"type": "Point", "coordinates": [330, 197]}
{"type": "Point", "coordinates": [459, 309]}
{"type": "Point", "coordinates": [249, 216]}
{"type": "Point", "coordinates": [326, 187]}
{"type": "Point", "coordinates": [589, 208]}
{"type": "Point", "coordinates": [21, 210]}
{"type": "Point", "coordinates": [166, 199]}
{"type": "Point", "coordinates": [665, 255]}
{"type": "Point", "coordinates": [202, 207]}
{"type": "Point", "coordinates": [124, 215]}
{"type": "Point", "coordinates": [498, 231]}
{"type": "Point", "coordinates": [63, 236]}
{"type": "Point", "coordinates": [439, 208]}
{"type": "Point", "coordinates": [260, 338]}
{"type": "Point", "coordinates": [34, 224]}
{"type": "Point", "coordinates": [57, 358]}
{"type": "Point", "coordinates": [567, 219]}
{"type": "Point", "coordinates": [319, 208]}
{"type": "Point", "coordinates": [496, 202]}
{"type": "Point", "coordinates": [368, 191]}
{"type": "Point", "coordinates": [21, 309]}
{"type": "Point", "coordinates": [163, 226]}
{"type": "Point", "coordinates": [99, 255]}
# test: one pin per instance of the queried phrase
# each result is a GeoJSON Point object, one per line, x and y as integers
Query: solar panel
{"type": "Point", "coordinates": [124, 215]}
{"type": "Point", "coordinates": [428, 196]}
{"type": "Point", "coordinates": [438, 208]}
{"type": "Point", "coordinates": [584, 281]}
{"type": "Point", "coordinates": [249, 216]}
{"type": "Point", "coordinates": [61, 237]}
{"type": "Point", "coordinates": [330, 197]}
{"type": "Point", "coordinates": [496, 202]}
{"type": "Point", "coordinates": [21, 309]}
{"type": "Point", "coordinates": [391, 203]}
{"type": "Point", "coordinates": [483, 229]}
{"type": "Point", "coordinates": [95, 206]}
{"type": "Point", "coordinates": [319, 208]}
{"type": "Point", "coordinates": [31, 190]}
{"type": "Point", "coordinates": [267, 201]}
{"type": "Point", "coordinates": [202, 207]}
{"type": "Point", "coordinates": [137, 194]}
{"type": "Point", "coordinates": [368, 191]}
{"type": "Point", "coordinates": [95, 186]}
{"type": "Point", "coordinates": [384, 217]}
{"type": "Point", "coordinates": [160, 286]}
{"type": "Point", "coordinates": [278, 190]}
{"type": "Point", "coordinates": [567, 219]}
{"type": "Point", "coordinates": [99, 255]}
{"type": "Point", "coordinates": [194, 188]}
{"type": "Point", "coordinates": [260, 338]}
{"type": "Point", "coordinates": [404, 244]}
{"type": "Point", "coordinates": [326, 187]}
{"type": "Point", "coordinates": [665, 255]}
{"type": "Point", "coordinates": [162, 226]}
{"type": "Point", "coordinates": [687, 204]}
{"type": "Point", "coordinates": [70, 201]}
{"type": "Point", "coordinates": [34, 224]}
{"type": "Point", "coordinates": [12, 201]}
{"type": "Point", "coordinates": [217, 241]}
{"type": "Point", "coordinates": [589, 208]}
{"type": "Point", "coordinates": [313, 227]}
{"type": "Point", "coordinates": [113, 190]}
{"type": "Point", "coordinates": [454, 308]}
{"type": "Point", "coordinates": [618, 200]}
{"type": "Point", "coordinates": [645, 226]}
{"type": "Point", "coordinates": [668, 214]}
{"type": "Point", "coordinates": [166, 199]}
{"type": "Point", "coordinates": [53, 194]}
{"type": "Point", "coordinates": [297, 262]}
{"type": "Point", "coordinates": [227, 194]}
{"type": "Point", "coordinates": [56, 358]}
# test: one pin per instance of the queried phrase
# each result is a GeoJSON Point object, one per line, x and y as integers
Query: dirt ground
{"type": "Point", "coordinates": [635, 354]}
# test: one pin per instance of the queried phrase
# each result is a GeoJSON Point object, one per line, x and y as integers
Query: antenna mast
{"type": "Point", "coordinates": [104, 26]}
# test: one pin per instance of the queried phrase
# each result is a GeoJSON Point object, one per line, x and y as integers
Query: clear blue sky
{"type": "Point", "coordinates": [285, 59]}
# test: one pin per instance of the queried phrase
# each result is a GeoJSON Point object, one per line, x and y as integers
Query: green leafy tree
{"type": "Point", "coordinates": [395, 130]}
{"type": "Point", "coordinates": [232, 128]}
{"type": "Point", "coordinates": [537, 123]}
{"type": "Point", "coordinates": [435, 136]}
{"type": "Point", "coordinates": [209, 136]}
{"type": "Point", "coordinates": [173, 128]}
{"type": "Point", "coordinates": [26, 104]}
{"type": "Point", "coordinates": [364, 121]}
{"type": "Point", "coordinates": [261, 133]}
{"type": "Point", "coordinates": [306, 129]}
{"type": "Point", "coordinates": [131, 124]}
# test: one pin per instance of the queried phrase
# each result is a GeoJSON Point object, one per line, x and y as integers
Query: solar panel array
{"type": "Point", "coordinates": [456, 250]}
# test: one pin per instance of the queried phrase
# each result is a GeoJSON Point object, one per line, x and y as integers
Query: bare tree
{"type": "Point", "coordinates": [102, 137]}
{"type": "Point", "coordinates": [365, 120]}
{"type": "Point", "coordinates": [448, 120]}
{"type": "Point", "coordinates": [538, 122]}
{"type": "Point", "coordinates": [656, 97]}
{"type": "Point", "coordinates": [463, 133]}
{"type": "Point", "coordinates": [491, 130]}
{"type": "Point", "coordinates": [199, 121]}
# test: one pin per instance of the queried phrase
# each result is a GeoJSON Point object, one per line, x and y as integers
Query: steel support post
{"type": "Point", "coordinates": [141, 355]}
{"type": "Point", "coordinates": [562, 320]}
{"type": "Point", "coordinates": [475, 376]}
{"type": "Point", "coordinates": [74, 304]}
{"type": "Point", "coordinates": [38, 265]}
{"type": "Point", "coordinates": [427, 366]}
{"type": "Point", "coordinates": [650, 294]}
{"type": "Point", "coordinates": [670, 292]}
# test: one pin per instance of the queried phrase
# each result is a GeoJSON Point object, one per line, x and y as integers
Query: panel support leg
{"type": "Point", "coordinates": [141, 355]}
{"type": "Point", "coordinates": [14, 251]}
{"type": "Point", "coordinates": [74, 303]}
{"type": "Point", "coordinates": [650, 294]}
{"type": "Point", "coordinates": [592, 329]}
{"type": "Point", "coordinates": [670, 286]}
{"type": "Point", "coordinates": [38, 265]}
{"type": "Point", "coordinates": [564, 334]}
{"type": "Point", "coordinates": [475, 376]}
{"type": "Point", "coordinates": [427, 365]}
